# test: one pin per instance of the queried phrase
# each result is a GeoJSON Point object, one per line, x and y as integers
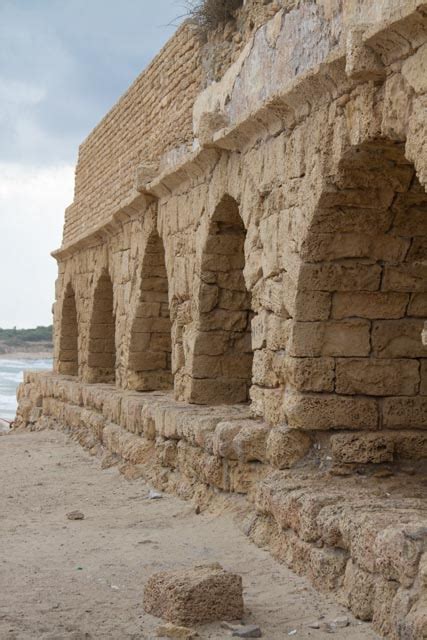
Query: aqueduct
{"type": "Point", "coordinates": [243, 286]}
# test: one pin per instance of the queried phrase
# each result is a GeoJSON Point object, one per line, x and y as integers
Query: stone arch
{"type": "Point", "coordinates": [101, 358]}
{"type": "Point", "coordinates": [219, 343]}
{"type": "Point", "coordinates": [149, 363]}
{"type": "Point", "coordinates": [68, 359]}
{"type": "Point", "coordinates": [361, 360]}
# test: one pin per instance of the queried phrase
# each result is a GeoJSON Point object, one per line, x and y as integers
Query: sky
{"type": "Point", "coordinates": [63, 64]}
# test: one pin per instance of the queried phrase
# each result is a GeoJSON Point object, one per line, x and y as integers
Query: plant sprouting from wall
{"type": "Point", "coordinates": [207, 15]}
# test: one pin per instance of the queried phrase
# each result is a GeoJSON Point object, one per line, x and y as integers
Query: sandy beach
{"type": "Point", "coordinates": [63, 580]}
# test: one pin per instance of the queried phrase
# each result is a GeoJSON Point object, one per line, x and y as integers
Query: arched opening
{"type": "Point", "coordinates": [149, 364]}
{"type": "Point", "coordinates": [68, 360]}
{"type": "Point", "coordinates": [221, 352]}
{"type": "Point", "coordinates": [102, 348]}
{"type": "Point", "coordinates": [365, 255]}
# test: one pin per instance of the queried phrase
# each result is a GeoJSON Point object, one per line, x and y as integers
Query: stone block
{"type": "Point", "coordinates": [410, 444]}
{"type": "Point", "coordinates": [224, 320]}
{"type": "Point", "coordinates": [147, 360]}
{"type": "Point", "coordinates": [263, 373]}
{"type": "Point", "coordinates": [369, 304]}
{"type": "Point", "coordinates": [306, 374]}
{"type": "Point", "coordinates": [325, 411]}
{"type": "Point", "coordinates": [223, 438]}
{"type": "Point", "coordinates": [286, 447]}
{"type": "Point", "coordinates": [362, 448]}
{"type": "Point", "coordinates": [410, 277]}
{"type": "Point", "coordinates": [418, 305]}
{"type": "Point", "coordinates": [358, 590]}
{"type": "Point", "coordinates": [337, 246]}
{"type": "Point", "coordinates": [398, 551]}
{"type": "Point", "coordinates": [194, 596]}
{"type": "Point", "coordinates": [312, 305]}
{"type": "Point", "coordinates": [340, 277]}
{"type": "Point", "coordinates": [326, 568]}
{"type": "Point", "coordinates": [414, 70]}
{"type": "Point", "coordinates": [217, 391]}
{"type": "Point", "coordinates": [345, 338]}
{"type": "Point", "coordinates": [398, 339]}
{"type": "Point", "coordinates": [377, 377]}
{"type": "Point", "coordinates": [250, 442]}
{"type": "Point", "coordinates": [405, 413]}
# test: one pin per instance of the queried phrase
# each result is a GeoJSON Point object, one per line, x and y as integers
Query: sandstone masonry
{"type": "Point", "coordinates": [242, 288]}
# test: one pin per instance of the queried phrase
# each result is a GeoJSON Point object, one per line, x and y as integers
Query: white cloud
{"type": "Point", "coordinates": [32, 203]}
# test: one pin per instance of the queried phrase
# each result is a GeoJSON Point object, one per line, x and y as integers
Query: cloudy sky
{"type": "Point", "coordinates": [63, 64]}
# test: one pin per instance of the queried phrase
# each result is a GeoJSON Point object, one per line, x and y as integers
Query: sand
{"type": "Point", "coordinates": [84, 579]}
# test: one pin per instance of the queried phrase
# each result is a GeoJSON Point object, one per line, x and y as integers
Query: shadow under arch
{"type": "Point", "coordinates": [150, 348]}
{"type": "Point", "coordinates": [220, 353]}
{"type": "Point", "coordinates": [68, 359]}
{"type": "Point", "coordinates": [364, 261]}
{"type": "Point", "coordinates": [101, 359]}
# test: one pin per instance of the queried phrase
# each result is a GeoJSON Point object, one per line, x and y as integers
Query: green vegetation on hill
{"type": "Point", "coordinates": [22, 337]}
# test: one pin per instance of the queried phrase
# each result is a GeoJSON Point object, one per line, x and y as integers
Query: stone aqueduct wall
{"type": "Point", "coordinates": [285, 263]}
{"type": "Point", "coordinates": [271, 266]}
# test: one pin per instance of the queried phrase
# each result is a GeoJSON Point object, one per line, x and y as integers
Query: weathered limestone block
{"type": "Point", "coordinates": [243, 440]}
{"type": "Point", "coordinates": [335, 246]}
{"type": "Point", "coordinates": [340, 277]}
{"type": "Point", "coordinates": [312, 305]}
{"type": "Point", "coordinates": [405, 413]}
{"type": "Point", "coordinates": [286, 447]}
{"type": "Point", "coordinates": [362, 448]}
{"type": "Point", "coordinates": [269, 330]}
{"type": "Point", "coordinates": [359, 590]}
{"type": "Point", "coordinates": [223, 438]}
{"type": "Point", "coordinates": [250, 442]}
{"type": "Point", "coordinates": [325, 411]}
{"type": "Point", "coordinates": [201, 466]}
{"type": "Point", "coordinates": [327, 567]}
{"type": "Point", "coordinates": [345, 338]}
{"type": "Point", "coordinates": [384, 594]}
{"type": "Point", "coordinates": [267, 404]}
{"type": "Point", "coordinates": [405, 277]}
{"type": "Point", "coordinates": [414, 70]}
{"type": "Point", "coordinates": [195, 596]}
{"type": "Point", "coordinates": [398, 551]}
{"type": "Point", "coordinates": [398, 339]}
{"type": "Point", "coordinates": [396, 111]}
{"type": "Point", "coordinates": [217, 391]}
{"type": "Point", "coordinates": [362, 63]}
{"type": "Point", "coordinates": [262, 368]}
{"type": "Point", "coordinates": [377, 377]}
{"type": "Point", "coordinates": [372, 305]}
{"type": "Point", "coordinates": [306, 374]}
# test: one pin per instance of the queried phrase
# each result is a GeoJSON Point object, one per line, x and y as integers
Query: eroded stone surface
{"type": "Point", "coordinates": [194, 596]}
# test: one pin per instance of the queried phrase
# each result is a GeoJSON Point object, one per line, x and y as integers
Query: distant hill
{"type": "Point", "coordinates": [26, 340]}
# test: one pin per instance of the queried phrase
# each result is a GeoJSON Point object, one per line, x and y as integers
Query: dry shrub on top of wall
{"type": "Point", "coordinates": [207, 15]}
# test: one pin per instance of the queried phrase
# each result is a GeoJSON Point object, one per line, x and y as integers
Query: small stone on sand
{"type": "Point", "coordinates": [247, 631]}
{"type": "Point", "coordinates": [75, 515]}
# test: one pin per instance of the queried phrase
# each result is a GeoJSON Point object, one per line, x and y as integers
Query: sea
{"type": "Point", "coordinates": [11, 374]}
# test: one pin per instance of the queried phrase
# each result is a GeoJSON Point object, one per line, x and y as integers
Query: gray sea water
{"type": "Point", "coordinates": [11, 374]}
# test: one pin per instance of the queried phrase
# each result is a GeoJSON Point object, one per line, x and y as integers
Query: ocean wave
{"type": "Point", "coordinates": [24, 363]}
